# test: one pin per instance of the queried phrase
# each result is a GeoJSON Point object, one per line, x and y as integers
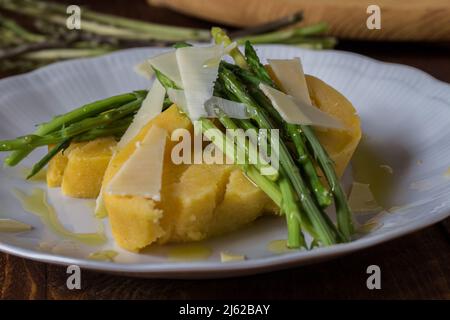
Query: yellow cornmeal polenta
{"type": "Point", "coordinates": [80, 168]}
{"type": "Point", "coordinates": [222, 199]}
{"type": "Point", "coordinates": [57, 165]}
{"type": "Point", "coordinates": [190, 206]}
{"type": "Point", "coordinates": [340, 144]}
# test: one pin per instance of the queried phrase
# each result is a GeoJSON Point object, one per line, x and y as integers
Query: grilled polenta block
{"type": "Point", "coordinates": [57, 165]}
{"type": "Point", "coordinates": [242, 203]}
{"type": "Point", "coordinates": [340, 144]}
{"type": "Point", "coordinates": [136, 221]}
{"type": "Point", "coordinates": [85, 168]}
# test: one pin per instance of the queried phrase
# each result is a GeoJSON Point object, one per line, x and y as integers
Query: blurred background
{"type": "Point", "coordinates": [34, 33]}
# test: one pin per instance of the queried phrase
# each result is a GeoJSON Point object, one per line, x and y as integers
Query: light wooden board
{"type": "Point", "coordinates": [419, 20]}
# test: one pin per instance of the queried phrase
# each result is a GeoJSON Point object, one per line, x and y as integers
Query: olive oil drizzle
{"type": "Point", "coordinates": [104, 255]}
{"type": "Point", "coordinates": [189, 252]}
{"type": "Point", "coordinates": [278, 246]}
{"type": "Point", "coordinates": [37, 204]}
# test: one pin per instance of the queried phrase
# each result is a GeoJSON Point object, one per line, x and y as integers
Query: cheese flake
{"type": "Point", "coordinates": [167, 64]}
{"type": "Point", "coordinates": [291, 76]}
{"type": "Point", "coordinates": [141, 174]}
{"type": "Point", "coordinates": [150, 108]}
{"type": "Point", "coordinates": [198, 75]}
{"type": "Point", "coordinates": [298, 112]}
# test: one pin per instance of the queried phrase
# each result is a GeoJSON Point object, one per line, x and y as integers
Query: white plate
{"type": "Point", "coordinates": [404, 113]}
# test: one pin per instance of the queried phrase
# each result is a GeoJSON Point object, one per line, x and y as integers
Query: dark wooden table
{"type": "Point", "coordinates": [416, 266]}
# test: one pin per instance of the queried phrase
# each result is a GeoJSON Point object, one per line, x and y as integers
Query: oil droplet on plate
{"type": "Point", "coordinates": [189, 252]}
{"type": "Point", "coordinates": [229, 257]}
{"type": "Point", "coordinates": [369, 168]}
{"type": "Point", "coordinates": [13, 226]}
{"type": "Point", "coordinates": [37, 204]}
{"type": "Point", "coordinates": [278, 246]}
{"type": "Point", "coordinates": [104, 255]}
{"type": "Point", "coordinates": [361, 199]}
{"type": "Point", "coordinates": [99, 211]}
{"type": "Point", "coordinates": [369, 227]}
{"type": "Point", "coordinates": [447, 173]}
{"type": "Point", "coordinates": [41, 176]}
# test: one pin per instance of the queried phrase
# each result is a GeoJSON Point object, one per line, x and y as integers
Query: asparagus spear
{"type": "Point", "coordinates": [266, 185]}
{"type": "Point", "coordinates": [328, 235]}
{"type": "Point", "coordinates": [269, 187]}
{"type": "Point", "coordinates": [294, 131]}
{"type": "Point", "coordinates": [80, 113]}
{"type": "Point", "coordinates": [105, 24]}
{"type": "Point", "coordinates": [43, 162]}
{"type": "Point", "coordinates": [342, 210]}
{"type": "Point", "coordinates": [61, 54]}
{"type": "Point", "coordinates": [115, 129]}
{"type": "Point", "coordinates": [206, 124]}
{"type": "Point", "coordinates": [255, 65]}
{"type": "Point", "coordinates": [326, 231]}
{"type": "Point", "coordinates": [165, 32]}
{"type": "Point", "coordinates": [19, 31]}
{"type": "Point", "coordinates": [292, 214]}
{"type": "Point", "coordinates": [219, 37]}
{"type": "Point", "coordinates": [248, 149]}
{"type": "Point", "coordinates": [282, 35]}
{"type": "Point", "coordinates": [33, 141]}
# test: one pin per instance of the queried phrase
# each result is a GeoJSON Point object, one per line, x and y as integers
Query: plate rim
{"type": "Point", "coordinates": [216, 269]}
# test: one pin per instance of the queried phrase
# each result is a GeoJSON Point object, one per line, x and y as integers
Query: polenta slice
{"type": "Point", "coordinates": [340, 144]}
{"type": "Point", "coordinates": [136, 221]}
{"type": "Point", "coordinates": [190, 209]}
{"type": "Point", "coordinates": [58, 164]}
{"type": "Point", "coordinates": [85, 168]}
{"type": "Point", "coordinates": [80, 168]}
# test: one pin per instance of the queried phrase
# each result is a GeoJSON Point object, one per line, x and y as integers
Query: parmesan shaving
{"type": "Point", "coordinates": [141, 174]}
{"type": "Point", "coordinates": [150, 108]}
{"type": "Point", "coordinates": [298, 112]}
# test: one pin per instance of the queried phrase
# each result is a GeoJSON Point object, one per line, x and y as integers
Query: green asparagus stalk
{"type": "Point", "coordinates": [73, 116]}
{"type": "Point", "coordinates": [34, 141]}
{"type": "Point", "coordinates": [115, 129]}
{"type": "Point", "coordinates": [325, 230]}
{"type": "Point", "coordinates": [255, 65]}
{"type": "Point", "coordinates": [249, 148]}
{"type": "Point", "coordinates": [107, 25]}
{"type": "Point", "coordinates": [294, 131]}
{"type": "Point", "coordinates": [46, 159]}
{"type": "Point", "coordinates": [283, 35]}
{"type": "Point", "coordinates": [342, 210]}
{"type": "Point", "coordinates": [19, 31]}
{"type": "Point", "coordinates": [328, 235]}
{"type": "Point", "coordinates": [159, 31]}
{"type": "Point", "coordinates": [294, 216]}
{"type": "Point", "coordinates": [62, 54]}
{"type": "Point", "coordinates": [317, 43]}
{"type": "Point", "coordinates": [266, 185]}
{"type": "Point", "coordinates": [220, 37]}
{"type": "Point", "coordinates": [292, 213]}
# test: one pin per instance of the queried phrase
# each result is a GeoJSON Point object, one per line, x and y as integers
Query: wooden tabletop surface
{"type": "Point", "coordinates": [416, 266]}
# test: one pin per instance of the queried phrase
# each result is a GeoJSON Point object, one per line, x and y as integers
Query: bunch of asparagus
{"type": "Point", "coordinates": [296, 189]}
{"type": "Point", "coordinates": [22, 49]}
